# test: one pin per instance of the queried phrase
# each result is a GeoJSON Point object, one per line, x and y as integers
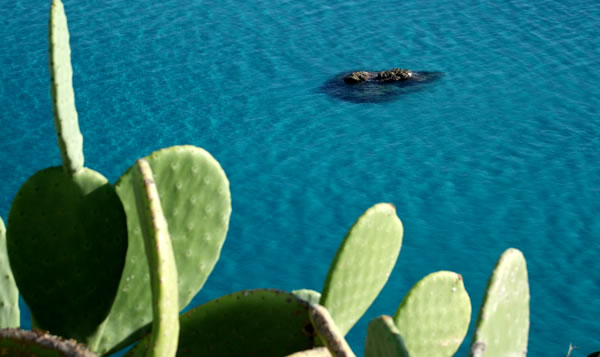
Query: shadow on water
{"type": "Point", "coordinates": [374, 92]}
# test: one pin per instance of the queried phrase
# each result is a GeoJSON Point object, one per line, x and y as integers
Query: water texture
{"type": "Point", "coordinates": [502, 151]}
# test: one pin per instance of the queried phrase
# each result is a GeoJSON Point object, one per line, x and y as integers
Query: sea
{"type": "Point", "coordinates": [501, 150]}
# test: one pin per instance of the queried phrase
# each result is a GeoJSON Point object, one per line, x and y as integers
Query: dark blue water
{"type": "Point", "coordinates": [503, 151]}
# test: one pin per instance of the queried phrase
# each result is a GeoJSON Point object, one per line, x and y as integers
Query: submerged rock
{"type": "Point", "coordinates": [371, 90]}
{"type": "Point", "coordinates": [357, 77]}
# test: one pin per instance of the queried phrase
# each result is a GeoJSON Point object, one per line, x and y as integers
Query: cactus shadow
{"type": "Point", "coordinates": [374, 92]}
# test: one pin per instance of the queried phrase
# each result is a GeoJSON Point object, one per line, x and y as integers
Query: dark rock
{"type": "Point", "coordinates": [396, 74]}
{"type": "Point", "coordinates": [374, 91]}
{"type": "Point", "coordinates": [393, 75]}
{"type": "Point", "coordinates": [357, 77]}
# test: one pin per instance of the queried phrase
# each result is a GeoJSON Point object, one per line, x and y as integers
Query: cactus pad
{"type": "Point", "coordinates": [247, 323]}
{"type": "Point", "coordinates": [313, 352]}
{"type": "Point", "coordinates": [9, 294]}
{"type": "Point", "coordinates": [66, 240]}
{"type": "Point", "coordinates": [362, 265]}
{"type": "Point", "coordinates": [434, 316]}
{"type": "Point", "coordinates": [16, 342]}
{"type": "Point", "coordinates": [328, 332]}
{"type": "Point", "coordinates": [196, 202]}
{"type": "Point", "coordinates": [503, 323]}
{"type": "Point", "coordinates": [308, 295]}
{"type": "Point", "coordinates": [383, 339]}
{"type": "Point", "coordinates": [161, 262]}
{"type": "Point", "coordinates": [70, 140]}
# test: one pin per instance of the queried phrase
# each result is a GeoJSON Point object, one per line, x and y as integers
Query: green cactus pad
{"type": "Point", "coordinates": [195, 198]}
{"type": "Point", "coordinates": [362, 265]}
{"type": "Point", "coordinates": [383, 339]}
{"type": "Point", "coordinates": [66, 240]}
{"type": "Point", "coordinates": [259, 322]}
{"type": "Point", "coordinates": [308, 295]}
{"type": "Point", "coordinates": [313, 352]}
{"type": "Point", "coordinates": [9, 294]}
{"type": "Point", "coordinates": [328, 332]}
{"type": "Point", "coordinates": [434, 316]}
{"type": "Point", "coordinates": [503, 323]}
{"type": "Point", "coordinates": [161, 262]}
{"type": "Point", "coordinates": [70, 140]}
{"type": "Point", "coordinates": [21, 343]}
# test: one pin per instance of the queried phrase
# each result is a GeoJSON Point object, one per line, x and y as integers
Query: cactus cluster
{"type": "Point", "coordinates": [149, 242]}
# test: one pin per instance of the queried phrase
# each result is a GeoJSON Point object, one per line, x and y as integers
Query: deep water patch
{"type": "Point", "coordinates": [377, 92]}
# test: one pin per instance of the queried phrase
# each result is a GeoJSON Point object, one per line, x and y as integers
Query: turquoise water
{"type": "Point", "coordinates": [502, 151]}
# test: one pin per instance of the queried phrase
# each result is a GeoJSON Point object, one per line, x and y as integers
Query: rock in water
{"type": "Point", "coordinates": [373, 91]}
{"type": "Point", "coordinates": [393, 75]}
{"type": "Point", "coordinates": [357, 77]}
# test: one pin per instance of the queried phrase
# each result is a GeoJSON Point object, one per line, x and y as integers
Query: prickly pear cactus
{"type": "Point", "coordinates": [383, 339]}
{"type": "Point", "coordinates": [247, 323]}
{"type": "Point", "coordinates": [328, 332]}
{"type": "Point", "coordinates": [308, 295]}
{"type": "Point", "coordinates": [362, 265]}
{"type": "Point", "coordinates": [434, 316]}
{"type": "Point", "coordinates": [67, 223]}
{"type": "Point", "coordinates": [73, 229]}
{"type": "Point", "coordinates": [16, 343]}
{"type": "Point", "coordinates": [9, 294]}
{"type": "Point", "coordinates": [503, 323]}
{"type": "Point", "coordinates": [70, 140]}
{"type": "Point", "coordinates": [313, 352]}
{"type": "Point", "coordinates": [195, 198]}
{"type": "Point", "coordinates": [161, 262]}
